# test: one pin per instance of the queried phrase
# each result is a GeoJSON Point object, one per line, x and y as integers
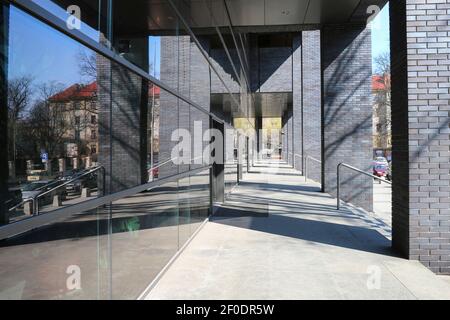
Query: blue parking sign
{"type": "Point", "coordinates": [44, 157]}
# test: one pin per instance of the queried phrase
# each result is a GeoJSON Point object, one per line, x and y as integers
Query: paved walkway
{"type": "Point", "coordinates": [382, 201]}
{"type": "Point", "coordinates": [278, 237]}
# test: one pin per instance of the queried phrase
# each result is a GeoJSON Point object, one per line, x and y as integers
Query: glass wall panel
{"type": "Point", "coordinates": [199, 198]}
{"type": "Point", "coordinates": [184, 200]}
{"type": "Point", "coordinates": [65, 259]}
{"type": "Point", "coordinates": [200, 137]}
{"type": "Point", "coordinates": [53, 119]}
{"type": "Point", "coordinates": [52, 153]}
{"type": "Point", "coordinates": [145, 237]}
{"type": "Point", "coordinates": [169, 153]}
{"type": "Point", "coordinates": [82, 126]}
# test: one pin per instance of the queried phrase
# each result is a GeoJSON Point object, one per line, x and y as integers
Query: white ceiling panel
{"type": "Point", "coordinates": [282, 12]}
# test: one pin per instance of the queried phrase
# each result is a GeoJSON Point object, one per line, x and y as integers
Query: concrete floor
{"type": "Point", "coordinates": [278, 237]}
{"type": "Point", "coordinates": [382, 201]}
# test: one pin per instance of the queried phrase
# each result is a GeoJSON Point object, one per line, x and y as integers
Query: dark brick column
{"type": "Point", "coordinates": [183, 68]}
{"type": "Point", "coordinates": [200, 93]}
{"type": "Point", "coordinates": [420, 48]}
{"type": "Point", "coordinates": [168, 117]}
{"type": "Point", "coordinates": [347, 111]}
{"type": "Point", "coordinates": [312, 100]}
{"type": "Point", "coordinates": [290, 135]}
{"type": "Point", "coordinates": [297, 101]}
{"type": "Point", "coordinates": [123, 103]}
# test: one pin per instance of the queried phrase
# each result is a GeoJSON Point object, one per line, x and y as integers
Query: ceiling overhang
{"type": "Point", "coordinates": [141, 17]}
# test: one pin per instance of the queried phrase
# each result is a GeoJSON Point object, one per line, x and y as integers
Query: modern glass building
{"type": "Point", "coordinates": [125, 125]}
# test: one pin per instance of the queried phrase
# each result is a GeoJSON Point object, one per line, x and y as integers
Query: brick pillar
{"type": "Point", "coordinates": [183, 68]}
{"type": "Point", "coordinates": [184, 87]}
{"type": "Point", "coordinates": [312, 100]}
{"type": "Point", "coordinates": [123, 103]}
{"type": "Point", "coordinates": [290, 135]}
{"type": "Point", "coordinates": [200, 85]}
{"type": "Point", "coordinates": [168, 118]}
{"type": "Point", "coordinates": [347, 111]}
{"type": "Point", "coordinates": [297, 101]}
{"type": "Point", "coordinates": [420, 131]}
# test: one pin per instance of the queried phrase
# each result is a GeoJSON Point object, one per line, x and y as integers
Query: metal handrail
{"type": "Point", "coordinates": [342, 164]}
{"type": "Point", "coordinates": [21, 204]}
{"type": "Point", "coordinates": [37, 197]}
{"type": "Point", "coordinates": [306, 165]}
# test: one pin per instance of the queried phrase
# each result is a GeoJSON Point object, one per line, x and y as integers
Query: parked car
{"type": "Point", "coordinates": [87, 181]}
{"type": "Point", "coordinates": [69, 174]}
{"type": "Point", "coordinates": [381, 160]}
{"type": "Point", "coordinates": [379, 169]}
{"type": "Point", "coordinates": [152, 174]}
{"type": "Point", "coordinates": [34, 189]}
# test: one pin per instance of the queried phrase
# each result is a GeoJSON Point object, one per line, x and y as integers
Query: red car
{"type": "Point", "coordinates": [379, 170]}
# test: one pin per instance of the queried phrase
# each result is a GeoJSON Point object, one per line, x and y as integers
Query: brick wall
{"type": "Point", "coordinates": [199, 80]}
{"type": "Point", "coordinates": [421, 68]}
{"type": "Point", "coordinates": [191, 77]}
{"type": "Point", "coordinates": [275, 69]}
{"type": "Point", "coordinates": [347, 111]}
{"type": "Point", "coordinates": [270, 68]}
{"type": "Point", "coordinates": [312, 101]}
{"type": "Point", "coordinates": [169, 104]}
{"type": "Point", "coordinates": [297, 101]}
{"type": "Point", "coordinates": [225, 69]}
{"type": "Point", "coordinates": [122, 131]}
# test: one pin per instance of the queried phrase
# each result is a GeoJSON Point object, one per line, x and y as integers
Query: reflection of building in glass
{"type": "Point", "coordinates": [78, 104]}
{"type": "Point", "coordinates": [153, 129]}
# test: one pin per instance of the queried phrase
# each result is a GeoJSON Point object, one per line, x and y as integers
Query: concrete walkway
{"type": "Point", "coordinates": [278, 237]}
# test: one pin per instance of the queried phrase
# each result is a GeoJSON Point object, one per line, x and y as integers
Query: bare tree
{"type": "Point", "coordinates": [383, 97]}
{"type": "Point", "coordinates": [19, 98]}
{"type": "Point", "coordinates": [383, 69]}
{"type": "Point", "coordinates": [383, 64]}
{"type": "Point", "coordinates": [87, 65]}
{"type": "Point", "coordinates": [48, 121]}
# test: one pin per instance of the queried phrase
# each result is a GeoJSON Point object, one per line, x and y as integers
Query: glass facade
{"type": "Point", "coordinates": [113, 103]}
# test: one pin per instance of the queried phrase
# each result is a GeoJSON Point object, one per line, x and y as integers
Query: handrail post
{"type": "Point", "coordinates": [306, 168]}
{"type": "Point", "coordinates": [338, 187]}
